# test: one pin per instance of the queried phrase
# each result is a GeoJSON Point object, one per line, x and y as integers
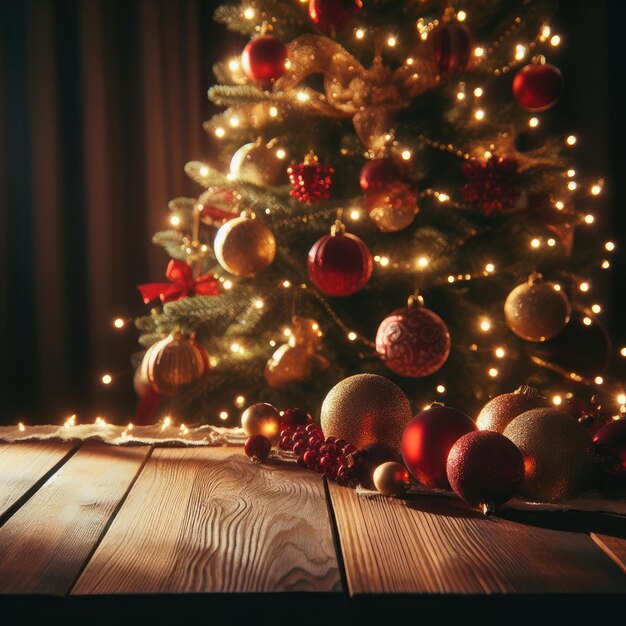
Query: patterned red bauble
{"type": "Point", "coordinates": [379, 174]}
{"type": "Point", "coordinates": [485, 468]}
{"type": "Point", "coordinates": [339, 264]}
{"type": "Point", "coordinates": [537, 86]}
{"type": "Point", "coordinates": [332, 15]}
{"type": "Point", "coordinates": [610, 443]}
{"type": "Point", "coordinates": [451, 45]}
{"type": "Point", "coordinates": [413, 341]}
{"type": "Point", "coordinates": [492, 185]}
{"type": "Point", "coordinates": [428, 439]}
{"type": "Point", "coordinates": [263, 58]}
{"type": "Point", "coordinates": [311, 181]}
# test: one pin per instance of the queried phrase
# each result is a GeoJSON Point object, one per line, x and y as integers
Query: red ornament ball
{"type": "Point", "coordinates": [610, 443]}
{"type": "Point", "coordinates": [413, 341]}
{"type": "Point", "coordinates": [331, 15]}
{"type": "Point", "coordinates": [296, 417]}
{"type": "Point", "coordinates": [428, 439]}
{"type": "Point", "coordinates": [257, 448]}
{"type": "Point", "coordinates": [485, 468]}
{"type": "Point", "coordinates": [379, 174]}
{"type": "Point", "coordinates": [311, 180]}
{"type": "Point", "coordinates": [537, 87]}
{"type": "Point", "coordinates": [451, 45]}
{"type": "Point", "coordinates": [263, 58]}
{"type": "Point", "coordinates": [493, 185]}
{"type": "Point", "coordinates": [339, 264]}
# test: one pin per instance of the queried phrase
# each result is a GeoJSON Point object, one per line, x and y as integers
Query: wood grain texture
{"type": "Point", "coordinates": [614, 547]}
{"type": "Point", "coordinates": [208, 520]}
{"type": "Point", "coordinates": [437, 545]}
{"type": "Point", "coordinates": [22, 465]}
{"type": "Point", "coordinates": [44, 546]}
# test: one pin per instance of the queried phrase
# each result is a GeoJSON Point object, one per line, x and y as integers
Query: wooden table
{"type": "Point", "coordinates": [93, 523]}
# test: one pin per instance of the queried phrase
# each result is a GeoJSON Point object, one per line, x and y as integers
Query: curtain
{"type": "Point", "coordinates": [102, 106]}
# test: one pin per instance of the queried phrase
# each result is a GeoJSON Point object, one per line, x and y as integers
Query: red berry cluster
{"type": "Point", "coordinates": [326, 455]}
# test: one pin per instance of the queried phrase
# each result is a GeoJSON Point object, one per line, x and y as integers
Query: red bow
{"type": "Point", "coordinates": [181, 285]}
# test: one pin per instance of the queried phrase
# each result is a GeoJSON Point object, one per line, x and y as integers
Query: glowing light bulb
{"type": "Point", "coordinates": [589, 219]}
{"type": "Point", "coordinates": [570, 173]}
{"type": "Point", "coordinates": [551, 242]}
{"type": "Point", "coordinates": [443, 197]}
{"type": "Point", "coordinates": [557, 400]}
{"type": "Point", "coordinates": [384, 261]}
{"type": "Point", "coordinates": [485, 326]}
{"type": "Point", "coordinates": [478, 92]}
{"type": "Point", "coordinates": [422, 262]}
{"type": "Point", "coordinates": [287, 332]}
{"type": "Point", "coordinates": [406, 155]}
{"type": "Point", "coordinates": [352, 336]}
{"type": "Point", "coordinates": [249, 13]}
{"type": "Point", "coordinates": [571, 140]}
{"type": "Point", "coordinates": [479, 52]}
{"type": "Point", "coordinates": [359, 33]}
{"type": "Point", "coordinates": [587, 321]}
{"type": "Point", "coordinates": [227, 284]}
{"type": "Point", "coordinates": [118, 322]}
{"type": "Point", "coordinates": [621, 398]}
{"type": "Point", "coordinates": [584, 286]}
{"type": "Point", "coordinates": [258, 303]}
{"type": "Point", "coordinates": [355, 214]}
{"type": "Point", "coordinates": [392, 41]}
{"type": "Point", "coordinates": [286, 284]}
{"type": "Point", "coordinates": [451, 279]}
{"type": "Point", "coordinates": [479, 115]}
{"type": "Point", "coordinates": [520, 51]}
{"type": "Point", "coordinates": [596, 308]}
{"type": "Point", "coordinates": [490, 267]}
{"type": "Point", "coordinates": [572, 185]}
{"type": "Point", "coordinates": [598, 380]}
{"type": "Point", "coordinates": [234, 121]}
{"type": "Point", "coordinates": [223, 415]}
{"type": "Point", "coordinates": [500, 352]}
{"type": "Point", "coordinates": [545, 31]}
{"type": "Point", "coordinates": [240, 401]}
{"type": "Point", "coordinates": [410, 61]}
{"type": "Point", "coordinates": [533, 122]}
{"type": "Point", "coordinates": [106, 379]}
{"type": "Point", "coordinates": [175, 220]}
{"type": "Point", "coordinates": [535, 243]}
{"type": "Point", "coordinates": [559, 205]}
{"type": "Point", "coordinates": [460, 95]}
{"type": "Point", "coordinates": [303, 96]}
{"type": "Point", "coordinates": [233, 65]}
{"type": "Point", "coordinates": [555, 41]}
{"type": "Point", "coordinates": [219, 132]}
{"type": "Point", "coordinates": [556, 287]}
{"type": "Point", "coordinates": [235, 347]}
{"type": "Point", "coordinates": [440, 389]}
{"type": "Point", "coordinates": [273, 111]}
{"type": "Point", "coordinates": [605, 264]}
{"type": "Point", "coordinates": [21, 427]}
{"type": "Point", "coordinates": [280, 154]}
{"type": "Point", "coordinates": [461, 16]}
{"type": "Point", "coordinates": [493, 372]}
{"type": "Point", "coordinates": [609, 246]}
{"type": "Point", "coordinates": [596, 190]}
{"type": "Point", "coordinates": [623, 352]}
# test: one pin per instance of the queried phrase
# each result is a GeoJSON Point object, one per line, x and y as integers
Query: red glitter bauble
{"type": "Point", "coordinates": [379, 174]}
{"type": "Point", "coordinates": [492, 184]}
{"type": "Point", "coordinates": [332, 15]}
{"type": "Point", "coordinates": [339, 264]}
{"type": "Point", "coordinates": [451, 46]}
{"type": "Point", "coordinates": [311, 181]}
{"type": "Point", "coordinates": [428, 439]}
{"type": "Point", "coordinates": [413, 341]}
{"type": "Point", "coordinates": [263, 59]}
{"type": "Point", "coordinates": [537, 87]}
{"type": "Point", "coordinates": [484, 467]}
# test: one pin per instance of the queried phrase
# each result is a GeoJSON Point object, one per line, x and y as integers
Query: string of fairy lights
{"type": "Point", "coordinates": [473, 99]}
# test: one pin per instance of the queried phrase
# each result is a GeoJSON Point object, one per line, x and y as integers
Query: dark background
{"type": "Point", "coordinates": [101, 106]}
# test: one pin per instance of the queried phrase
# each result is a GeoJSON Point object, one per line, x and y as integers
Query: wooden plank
{"type": "Point", "coordinates": [44, 546]}
{"type": "Point", "coordinates": [614, 547]}
{"type": "Point", "coordinates": [437, 545]}
{"type": "Point", "coordinates": [208, 520]}
{"type": "Point", "coordinates": [23, 466]}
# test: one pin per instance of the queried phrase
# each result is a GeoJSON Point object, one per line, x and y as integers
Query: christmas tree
{"type": "Point", "coordinates": [388, 197]}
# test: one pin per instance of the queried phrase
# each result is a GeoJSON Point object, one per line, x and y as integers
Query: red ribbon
{"type": "Point", "coordinates": [181, 285]}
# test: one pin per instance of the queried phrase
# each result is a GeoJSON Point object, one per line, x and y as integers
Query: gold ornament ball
{"type": "Point", "coordinates": [536, 311]}
{"type": "Point", "coordinates": [174, 363]}
{"type": "Point", "coordinates": [244, 246]}
{"type": "Point", "coordinates": [391, 479]}
{"type": "Point", "coordinates": [258, 163]}
{"type": "Point", "coordinates": [305, 331]}
{"type": "Point", "coordinates": [500, 411]}
{"type": "Point", "coordinates": [261, 419]}
{"type": "Point", "coordinates": [394, 209]}
{"type": "Point", "coordinates": [365, 409]}
{"type": "Point", "coordinates": [558, 454]}
{"type": "Point", "coordinates": [292, 364]}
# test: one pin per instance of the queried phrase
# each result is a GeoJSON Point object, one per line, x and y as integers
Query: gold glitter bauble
{"type": "Point", "coordinates": [391, 479]}
{"type": "Point", "coordinates": [536, 310]}
{"type": "Point", "coordinates": [174, 363]}
{"type": "Point", "coordinates": [365, 409]}
{"type": "Point", "coordinates": [258, 163]}
{"type": "Point", "coordinates": [292, 364]}
{"type": "Point", "coordinates": [500, 411]}
{"type": "Point", "coordinates": [393, 209]}
{"type": "Point", "coordinates": [558, 454]}
{"type": "Point", "coordinates": [261, 419]}
{"type": "Point", "coordinates": [244, 246]}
